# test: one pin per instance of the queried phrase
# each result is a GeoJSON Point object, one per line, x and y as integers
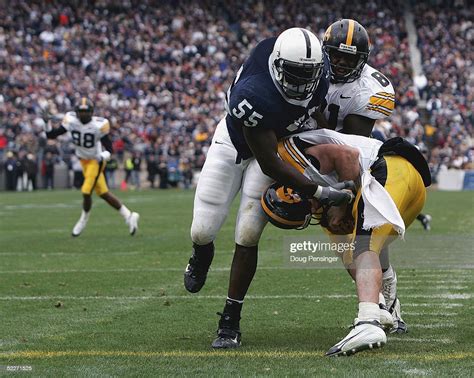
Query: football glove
{"type": "Point", "coordinates": [105, 155]}
{"type": "Point", "coordinates": [46, 115]}
{"type": "Point", "coordinates": [328, 196]}
{"type": "Point", "coordinates": [345, 185]}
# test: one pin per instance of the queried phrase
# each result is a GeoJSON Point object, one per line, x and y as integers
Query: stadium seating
{"type": "Point", "coordinates": [159, 69]}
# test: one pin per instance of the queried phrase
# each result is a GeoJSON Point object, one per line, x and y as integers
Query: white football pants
{"type": "Point", "coordinates": [220, 181]}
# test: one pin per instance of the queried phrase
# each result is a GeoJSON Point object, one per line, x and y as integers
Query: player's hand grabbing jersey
{"type": "Point", "coordinates": [371, 96]}
{"type": "Point", "coordinates": [86, 137]}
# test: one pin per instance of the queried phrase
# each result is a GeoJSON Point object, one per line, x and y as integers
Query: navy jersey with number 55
{"type": "Point", "coordinates": [255, 100]}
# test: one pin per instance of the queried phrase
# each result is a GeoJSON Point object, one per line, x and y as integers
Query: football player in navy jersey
{"type": "Point", "coordinates": [273, 95]}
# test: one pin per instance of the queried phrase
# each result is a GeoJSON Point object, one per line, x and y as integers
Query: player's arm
{"type": "Point", "coordinates": [358, 125]}
{"type": "Point", "coordinates": [106, 141]}
{"type": "Point", "coordinates": [264, 145]}
{"type": "Point", "coordinates": [321, 121]}
{"type": "Point", "coordinates": [53, 133]}
{"type": "Point", "coordinates": [344, 160]}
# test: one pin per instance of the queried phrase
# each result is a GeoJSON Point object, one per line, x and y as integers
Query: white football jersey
{"type": "Point", "coordinates": [368, 150]}
{"type": "Point", "coordinates": [371, 96]}
{"type": "Point", "coordinates": [86, 137]}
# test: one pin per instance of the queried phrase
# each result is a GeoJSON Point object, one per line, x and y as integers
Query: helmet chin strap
{"type": "Point", "coordinates": [306, 223]}
{"type": "Point", "coordinates": [84, 119]}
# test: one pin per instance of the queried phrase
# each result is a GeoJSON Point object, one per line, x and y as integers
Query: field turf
{"type": "Point", "coordinates": [107, 304]}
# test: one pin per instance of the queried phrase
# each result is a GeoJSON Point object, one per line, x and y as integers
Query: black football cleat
{"type": "Point", "coordinates": [425, 220]}
{"type": "Point", "coordinates": [228, 334]}
{"type": "Point", "coordinates": [196, 271]}
{"type": "Point", "coordinates": [399, 326]}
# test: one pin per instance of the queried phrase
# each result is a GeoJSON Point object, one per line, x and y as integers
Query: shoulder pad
{"type": "Point", "coordinates": [68, 118]}
{"type": "Point", "coordinates": [104, 125]}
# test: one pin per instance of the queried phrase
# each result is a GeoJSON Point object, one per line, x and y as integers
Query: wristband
{"type": "Point", "coordinates": [318, 192]}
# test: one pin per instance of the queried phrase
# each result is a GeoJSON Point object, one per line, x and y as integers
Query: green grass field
{"type": "Point", "coordinates": [107, 304]}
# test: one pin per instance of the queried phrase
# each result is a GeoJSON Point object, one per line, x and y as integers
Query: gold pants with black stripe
{"type": "Point", "coordinates": [94, 178]}
{"type": "Point", "coordinates": [405, 185]}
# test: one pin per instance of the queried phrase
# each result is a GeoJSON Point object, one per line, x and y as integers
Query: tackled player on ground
{"type": "Point", "coordinates": [391, 178]}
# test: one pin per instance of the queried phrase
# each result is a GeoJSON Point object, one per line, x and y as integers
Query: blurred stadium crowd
{"type": "Point", "coordinates": [158, 71]}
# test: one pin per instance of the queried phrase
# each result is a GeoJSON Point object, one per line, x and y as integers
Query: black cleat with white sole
{"type": "Point", "coordinates": [196, 271]}
{"type": "Point", "coordinates": [228, 334]}
{"type": "Point", "coordinates": [399, 326]}
{"type": "Point", "coordinates": [425, 220]}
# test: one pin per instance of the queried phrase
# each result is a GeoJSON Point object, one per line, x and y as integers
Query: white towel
{"type": "Point", "coordinates": [379, 208]}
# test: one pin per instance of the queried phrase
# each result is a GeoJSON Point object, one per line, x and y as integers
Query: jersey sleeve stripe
{"type": "Point", "coordinates": [286, 155]}
{"type": "Point", "coordinates": [382, 97]}
{"type": "Point", "coordinates": [297, 153]}
{"type": "Point", "coordinates": [380, 110]}
{"type": "Point", "coordinates": [381, 107]}
{"type": "Point", "coordinates": [382, 102]}
{"type": "Point", "coordinates": [387, 94]}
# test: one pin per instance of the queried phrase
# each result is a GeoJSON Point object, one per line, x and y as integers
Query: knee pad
{"type": "Point", "coordinates": [248, 235]}
{"type": "Point", "coordinates": [205, 227]}
{"type": "Point", "coordinates": [251, 221]}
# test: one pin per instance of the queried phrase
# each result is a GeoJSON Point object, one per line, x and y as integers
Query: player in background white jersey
{"type": "Point", "coordinates": [90, 137]}
{"type": "Point", "coordinates": [358, 96]}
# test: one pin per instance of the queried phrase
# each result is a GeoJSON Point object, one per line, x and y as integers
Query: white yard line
{"type": "Point", "coordinates": [163, 269]}
{"type": "Point", "coordinates": [74, 254]}
{"type": "Point", "coordinates": [433, 305]}
{"type": "Point", "coordinates": [427, 313]}
{"type": "Point", "coordinates": [440, 273]}
{"type": "Point", "coordinates": [436, 281]}
{"type": "Point", "coordinates": [200, 297]}
{"type": "Point", "coordinates": [70, 204]}
{"type": "Point", "coordinates": [417, 372]}
{"type": "Point", "coordinates": [433, 326]}
{"type": "Point", "coordinates": [116, 270]}
{"type": "Point", "coordinates": [150, 297]}
{"type": "Point", "coordinates": [403, 288]}
{"type": "Point", "coordinates": [402, 338]}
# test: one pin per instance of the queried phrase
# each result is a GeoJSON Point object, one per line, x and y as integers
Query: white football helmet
{"type": "Point", "coordinates": [297, 63]}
